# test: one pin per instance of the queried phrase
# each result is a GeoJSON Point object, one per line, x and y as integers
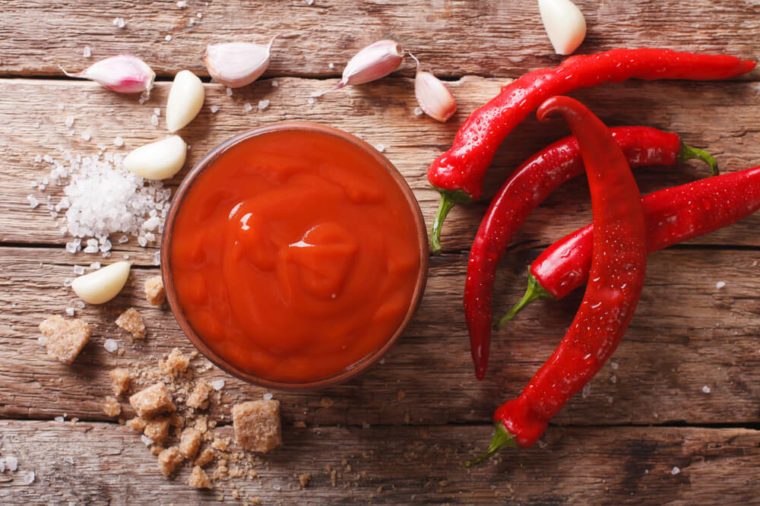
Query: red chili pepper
{"type": "Point", "coordinates": [673, 215]}
{"type": "Point", "coordinates": [618, 266]}
{"type": "Point", "coordinates": [526, 188]}
{"type": "Point", "coordinates": [458, 173]}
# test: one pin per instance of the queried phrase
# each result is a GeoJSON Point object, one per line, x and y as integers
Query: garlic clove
{"type": "Point", "coordinates": [185, 100]}
{"type": "Point", "coordinates": [102, 285]}
{"type": "Point", "coordinates": [123, 74]}
{"type": "Point", "coordinates": [371, 63]}
{"type": "Point", "coordinates": [237, 64]}
{"type": "Point", "coordinates": [157, 160]}
{"type": "Point", "coordinates": [434, 97]}
{"type": "Point", "coordinates": [564, 24]}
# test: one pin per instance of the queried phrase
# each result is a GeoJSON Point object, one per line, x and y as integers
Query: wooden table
{"type": "Point", "coordinates": [400, 433]}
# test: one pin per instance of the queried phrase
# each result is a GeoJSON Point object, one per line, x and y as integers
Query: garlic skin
{"type": "Point", "coordinates": [371, 63]}
{"type": "Point", "coordinates": [434, 97]}
{"type": "Point", "coordinates": [157, 160]}
{"type": "Point", "coordinates": [98, 287]}
{"type": "Point", "coordinates": [237, 64]}
{"type": "Point", "coordinates": [185, 100]}
{"type": "Point", "coordinates": [564, 24]}
{"type": "Point", "coordinates": [123, 74]}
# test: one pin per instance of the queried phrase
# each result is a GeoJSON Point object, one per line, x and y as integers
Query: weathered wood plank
{"type": "Point", "coordinates": [686, 335]}
{"type": "Point", "coordinates": [453, 37]}
{"type": "Point", "coordinates": [105, 463]}
{"type": "Point", "coordinates": [381, 114]}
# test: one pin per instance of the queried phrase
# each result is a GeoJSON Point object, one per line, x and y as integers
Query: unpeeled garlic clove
{"type": "Point", "coordinates": [434, 97]}
{"type": "Point", "coordinates": [185, 100]}
{"type": "Point", "coordinates": [157, 160]}
{"type": "Point", "coordinates": [237, 64]}
{"type": "Point", "coordinates": [371, 63]}
{"type": "Point", "coordinates": [98, 287]}
{"type": "Point", "coordinates": [123, 74]}
{"type": "Point", "coordinates": [564, 24]}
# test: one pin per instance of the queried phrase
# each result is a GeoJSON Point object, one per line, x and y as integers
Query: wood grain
{"type": "Point", "coordinates": [687, 334]}
{"type": "Point", "coordinates": [107, 464]}
{"type": "Point", "coordinates": [383, 115]}
{"type": "Point", "coordinates": [452, 37]}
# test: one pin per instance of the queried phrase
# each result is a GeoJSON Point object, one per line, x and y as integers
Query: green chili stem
{"type": "Point", "coordinates": [448, 201]}
{"type": "Point", "coordinates": [690, 153]}
{"type": "Point", "coordinates": [534, 292]}
{"type": "Point", "coordinates": [501, 438]}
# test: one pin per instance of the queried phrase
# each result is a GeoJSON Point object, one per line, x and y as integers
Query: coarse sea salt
{"type": "Point", "coordinates": [214, 109]}
{"type": "Point", "coordinates": [217, 384]}
{"type": "Point", "coordinates": [86, 51]}
{"type": "Point", "coordinates": [111, 346]}
{"type": "Point", "coordinates": [11, 463]}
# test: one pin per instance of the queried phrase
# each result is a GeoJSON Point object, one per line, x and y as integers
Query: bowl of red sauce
{"type": "Point", "coordinates": [294, 255]}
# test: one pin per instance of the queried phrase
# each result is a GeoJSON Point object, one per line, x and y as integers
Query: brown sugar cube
{"type": "Point", "coordinates": [152, 401]}
{"type": "Point", "coordinates": [257, 425]}
{"type": "Point", "coordinates": [174, 364]}
{"type": "Point", "coordinates": [157, 430]}
{"type": "Point", "coordinates": [132, 321]}
{"type": "Point", "coordinates": [111, 407]}
{"type": "Point", "coordinates": [120, 380]}
{"type": "Point", "coordinates": [205, 458]}
{"type": "Point", "coordinates": [189, 442]}
{"type": "Point", "coordinates": [169, 460]}
{"type": "Point", "coordinates": [154, 290]}
{"type": "Point", "coordinates": [64, 339]}
{"type": "Point", "coordinates": [199, 479]}
{"type": "Point", "coordinates": [137, 424]}
{"type": "Point", "coordinates": [198, 398]}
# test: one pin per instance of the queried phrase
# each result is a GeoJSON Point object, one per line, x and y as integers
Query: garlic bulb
{"type": "Point", "coordinates": [434, 97]}
{"type": "Point", "coordinates": [564, 24]}
{"type": "Point", "coordinates": [237, 64]}
{"type": "Point", "coordinates": [185, 100]}
{"type": "Point", "coordinates": [102, 285]}
{"type": "Point", "coordinates": [157, 160]}
{"type": "Point", "coordinates": [123, 74]}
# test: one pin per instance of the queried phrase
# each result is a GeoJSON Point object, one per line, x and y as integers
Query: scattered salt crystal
{"type": "Point", "coordinates": [706, 389]}
{"type": "Point", "coordinates": [154, 120]}
{"type": "Point", "coordinates": [247, 107]}
{"type": "Point", "coordinates": [28, 478]}
{"type": "Point", "coordinates": [73, 246]}
{"type": "Point", "coordinates": [78, 270]}
{"type": "Point", "coordinates": [157, 111]}
{"type": "Point", "coordinates": [80, 304]}
{"type": "Point", "coordinates": [156, 258]}
{"type": "Point", "coordinates": [613, 379]}
{"type": "Point", "coordinates": [382, 361]}
{"type": "Point", "coordinates": [118, 141]}
{"type": "Point", "coordinates": [331, 66]}
{"type": "Point", "coordinates": [263, 104]}
{"type": "Point", "coordinates": [41, 340]}
{"type": "Point", "coordinates": [228, 91]}
{"type": "Point", "coordinates": [267, 396]}
{"type": "Point", "coordinates": [275, 83]}
{"type": "Point", "coordinates": [95, 265]}
{"type": "Point", "coordinates": [214, 109]}
{"type": "Point", "coordinates": [676, 470]}
{"type": "Point", "coordinates": [67, 281]}
{"type": "Point", "coordinates": [2, 465]}
{"type": "Point", "coordinates": [151, 223]}
{"type": "Point", "coordinates": [119, 22]}
{"type": "Point", "coordinates": [181, 4]}
{"type": "Point", "coordinates": [69, 121]}
{"type": "Point", "coordinates": [586, 391]}
{"type": "Point", "coordinates": [380, 147]}
{"type": "Point", "coordinates": [365, 425]}
{"type": "Point", "coordinates": [168, 38]}
{"type": "Point", "coordinates": [59, 419]}
{"type": "Point", "coordinates": [86, 136]}
{"type": "Point", "coordinates": [11, 463]}
{"type": "Point", "coordinates": [70, 311]}
{"type": "Point", "coordinates": [105, 247]}
{"type": "Point", "coordinates": [614, 365]}
{"type": "Point", "coordinates": [144, 97]}
{"type": "Point", "coordinates": [309, 2]}
{"type": "Point", "coordinates": [68, 460]}
{"type": "Point", "coordinates": [720, 285]}
{"type": "Point", "coordinates": [200, 14]}
{"type": "Point", "coordinates": [217, 384]}
{"type": "Point", "coordinates": [311, 100]}
{"type": "Point", "coordinates": [142, 241]}
{"type": "Point", "coordinates": [111, 346]}
{"type": "Point", "coordinates": [123, 239]}
{"type": "Point", "coordinates": [146, 440]}
{"type": "Point", "coordinates": [33, 202]}
{"type": "Point", "coordinates": [86, 51]}
{"type": "Point", "coordinates": [418, 111]}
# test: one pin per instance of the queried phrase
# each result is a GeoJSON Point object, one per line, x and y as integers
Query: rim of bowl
{"type": "Point", "coordinates": [167, 271]}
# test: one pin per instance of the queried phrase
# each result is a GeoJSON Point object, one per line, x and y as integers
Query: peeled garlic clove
{"type": "Point", "coordinates": [371, 63]}
{"type": "Point", "coordinates": [123, 74]}
{"type": "Point", "coordinates": [237, 64]}
{"type": "Point", "coordinates": [102, 285]}
{"type": "Point", "coordinates": [185, 100]}
{"type": "Point", "coordinates": [158, 160]}
{"type": "Point", "coordinates": [434, 97]}
{"type": "Point", "coordinates": [564, 24]}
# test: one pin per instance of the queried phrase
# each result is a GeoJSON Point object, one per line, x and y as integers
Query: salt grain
{"type": "Point", "coordinates": [614, 365]}
{"type": "Point", "coordinates": [11, 463]}
{"type": "Point", "coordinates": [275, 83]}
{"type": "Point", "coordinates": [706, 389]}
{"type": "Point", "coordinates": [229, 92]}
{"type": "Point", "coordinates": [247, 107]}
{"type": "Point", "coordinates": [95, 265]}
{"type": "Point", "coordinates": [111, 346]}
{"type": "Point", "coordinates": [70, 311]}
{"type": "Point", "coordinates": [119, 22]}
{"type": "Point", "coordinates": [263, 104]}
{"type": "Point", "coordinates": [418, 111]}
{"type": "Point", "coordinates": [267, 396]}
{"type": "Point", "coordinates": [67, 281]}
{"type": "Point", "coordinates": [217, 384]}
{"type": "Point", "coordinates": [380, 147]}
{"type": "Point", "coordinates": [33, 202]}
{"type": "Point", "coordinates": [720, 285]}
{"type": "Point", "coordinates": [118, 141]}
{"type": "Point", "coordinates": [214, 109]}
{"type": "Point", "coordinates": [123, 239]}
{"type": "Point", "coordinates": [86, 52]}
{"type": "Point", "coordinates": [331, 66]}
{"type": "Point", "coordinates": [311, 100]}
{"type": "Point", "coordinates": [309, 2]}
{"type": "Point", "coordinates": [86, 136]}
{"type": "Point", "coordinates": [676, 470]}
{"type": "Point", "coordinates": [168, 38]}
{"type": "Point", "coordinates": [154, 120]}
{"type": "Point", "coordinates": [181, 4]}
{"type": "Point", "coordinates": [78, 270]}
{"type": "Point", "coordinates": [69, 121]}
{"type": "Point", "coordinates": [146, 440]}
{"type": "Point", "coordinates": [28, 478]}
{"type": "Point", "coordinates": [156, 258]}
{"type": "Point", "coordinates": [41, 341]}
{"type": "Point", "coordinates": [59, 419]}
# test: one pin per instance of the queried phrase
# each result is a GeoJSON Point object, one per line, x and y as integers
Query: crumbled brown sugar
{"type": "Point", "coordinates": [120, 381]}
{"type": "Point", "coordinates": [174, 364]}
{"type": "Point", "coordinates": [132, 321]}
{"type": "Point", "coordinates": [154, 290]}
{"type": "Point", "coordinates": [157, 430]}
{"type": "Point", "coordinates": [64, 339]}
{"type": "Point", "coordinates": [257, 425]}
{"type": "Point", "coordinates": [169, 460]}
{"type": "Point", "coordinates": [111, 407]}
{"type": "Point", "coordinates": [137, 424]}
{"type": "Point", "coordinates": [190, 443]}
{"type": "Point", "coordinates": [205, 458]}
{"type": "Point", "coordinates": [152, 401]}
{"type": "Point", "coordinates": [199, 396]}
{"type": "Point", "coordinates": [199, 479]}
